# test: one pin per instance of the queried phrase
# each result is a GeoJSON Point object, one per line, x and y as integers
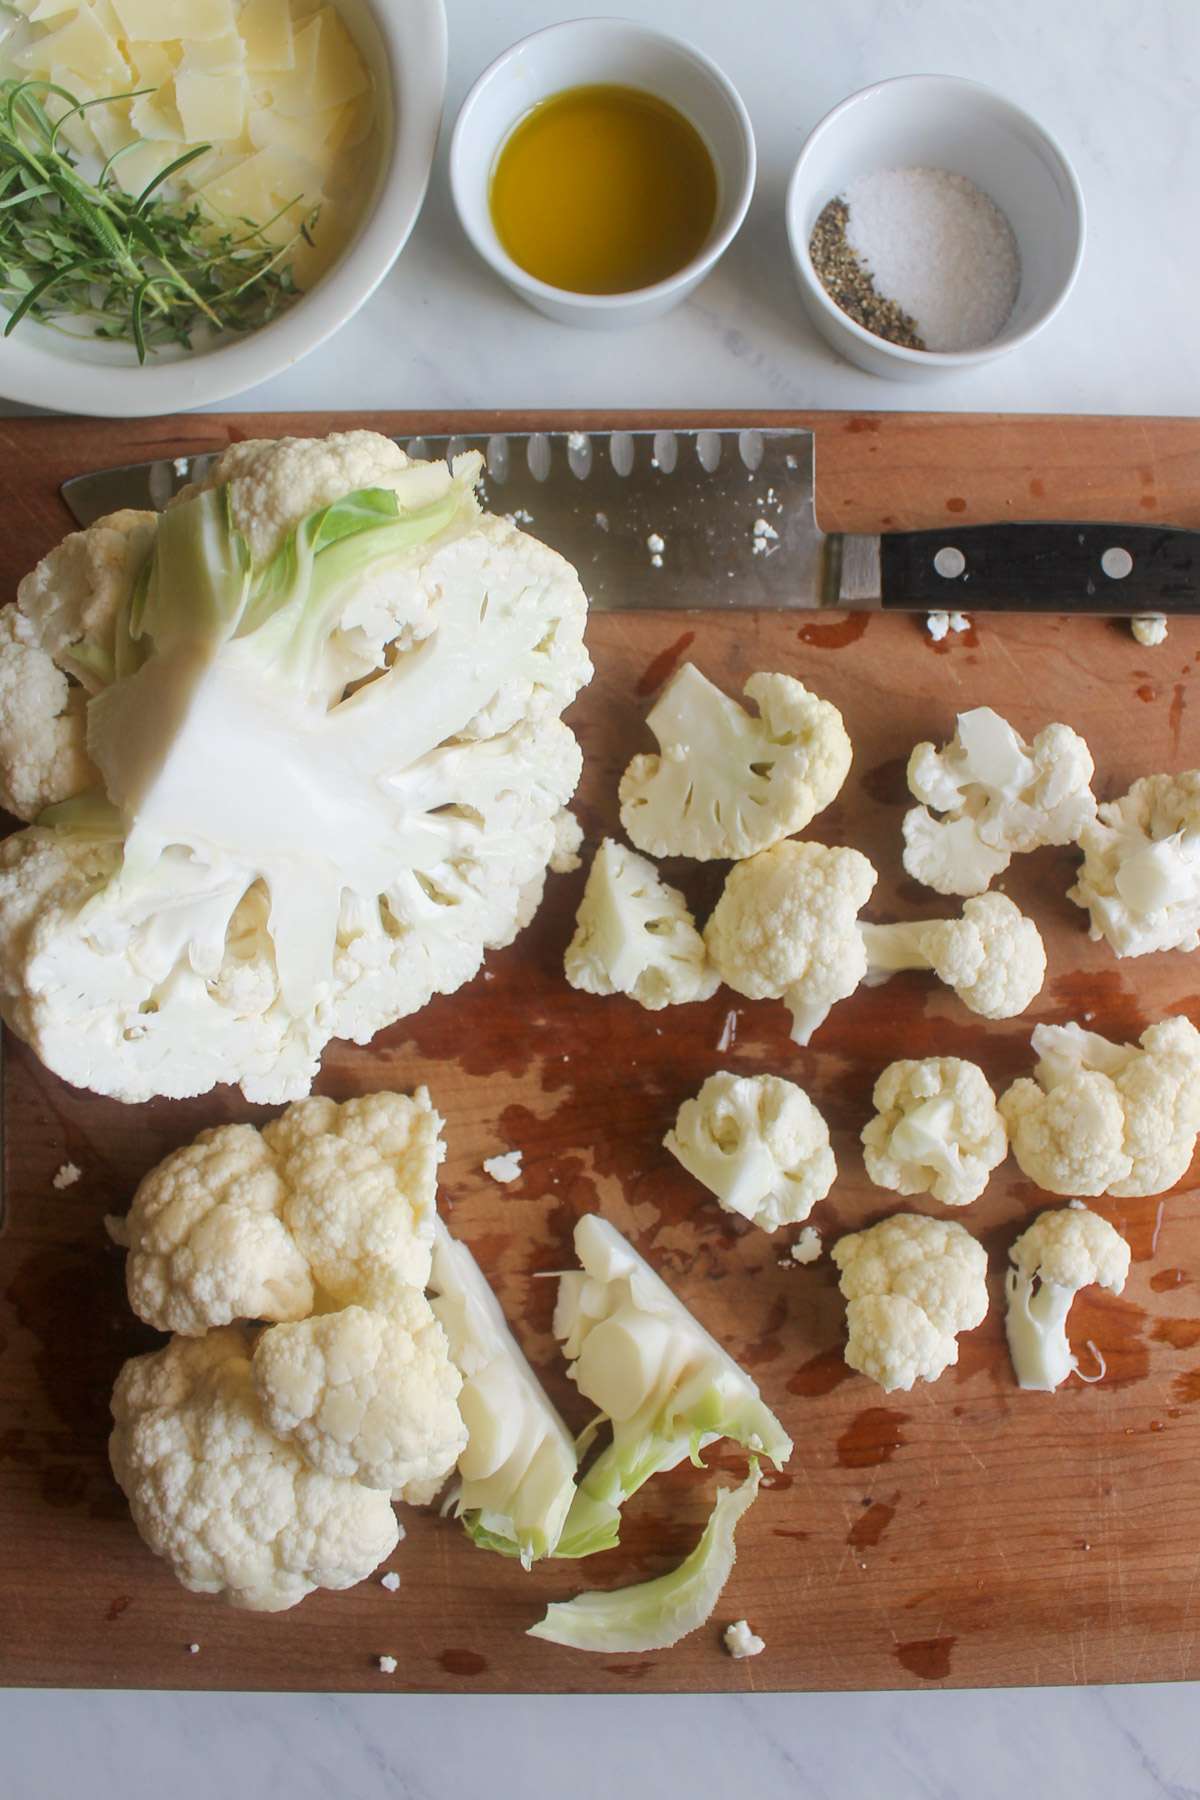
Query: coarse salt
{"type": "Point", "coordinates": [390, 1581]}
{"type": "Point", "coordinates": [936, 245]}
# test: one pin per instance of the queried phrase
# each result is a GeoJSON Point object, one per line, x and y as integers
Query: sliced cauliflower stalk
{"type": "Point", "coordinates": [234, 1510]}
{"type": "Point", "coordinates": [997, 795]}
{"type": "Point", "coordinates": [759, 1144]}
{"type": "Point", "coordinates": [634, 935]}
{"type": "Point", "coordinates": [518, 1467]}
{"type": "Point", "coordinates": [667, 1388]}
{"type": "Point", "coordinates": [324, 763]}
{"type": "Point", "coordinates": [786, 927]}
{"type": "Point", "coordinates": [1060, 1252]}
{"type": "Point", "coordinates": [727, 784]}
{"type": "Point", "coordinates": [993, 956]}
{"type": "Point", "coordinates": [1105, 1118]}
{"type": "Point", "coordinates": [936, 1130]}
{"type": "Point", "coordinates": [1140, 878]}
{"type": "Point", "coordinates": [243, 1224]}
{"type": "Point", "coordinates": [911, 1285]}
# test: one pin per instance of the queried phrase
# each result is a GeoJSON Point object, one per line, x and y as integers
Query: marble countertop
{"type": "Point", "coordinates": [1116, 81]}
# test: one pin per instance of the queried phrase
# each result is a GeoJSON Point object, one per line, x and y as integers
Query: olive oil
{"type": "Point", "coordinates": [603, 190]}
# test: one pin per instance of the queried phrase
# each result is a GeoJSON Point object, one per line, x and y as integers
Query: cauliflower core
{"type": "Point", "coordinates": [911, 1284]}
{"type": "Point", "coordinates": [1061, 1252]}
{"type": "Point", "coordinates": [727, 784]}
{"type": "Point", "coordinates": [1140, 879]}
{"type": "Point", "coordinates": [759, 1144]}
{"type": "Point", "coordinates": [634, 935]}
{"type": "Point", "coordinates": [310, 770]}
{"type": "Point", "coordinates": [1104, 1118]}
{"type": "Point", "coordinates": [997, 796]}
{"type": "Point", "coordinates": [936, 1130]}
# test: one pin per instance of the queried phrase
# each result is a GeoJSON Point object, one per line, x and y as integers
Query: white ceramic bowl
{"type": "Point", "coordinates": [577, 53]}
{"type": "Point", "coordinates": [942, 122]}
{"type": "Point", "coordinates": [404, 46]}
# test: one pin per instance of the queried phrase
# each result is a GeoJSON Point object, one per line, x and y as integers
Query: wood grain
{"type": "Point", "coordinates": [965, 1533]}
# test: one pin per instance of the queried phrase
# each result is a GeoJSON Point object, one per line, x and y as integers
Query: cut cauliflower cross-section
{"type": "Point", "coordinates": [634, 935]}
{"type": "Point", "coordinates": [1140, 879]}
{"type": "Point", "coordinates": [243, 1224]}
{"type": "Point", "coordinates": [936, 1130]}
{"type": "Point", "coordinates": [234, 1510]}
{"type": "Point", "coordinates": [997, 796]}
{"type": "Point", "coordinates": [727, 784]}
{"type": "Point", "coordinates": [759, 1144]}
{"type": "Point", "coordinates": [324, 765]}
{"type": "Point", "coordinates": [1062, 1252]}
{"type": "Point", "coordinates": [993, 956]}
{"type": "Point", "coordinates": [667, 1388]}
{"type": "Point", "coordinates": [911, 1285]}
{"type": "Point", "coordinates": [786, 927]}
{"type": "Point", "coordinates": [518, 1468]}
{"type": "Point", "coordinates": [1105, 1118]}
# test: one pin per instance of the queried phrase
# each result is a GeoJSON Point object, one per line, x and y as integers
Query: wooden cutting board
{"type": "Point", "coordinates": [966, 1533]}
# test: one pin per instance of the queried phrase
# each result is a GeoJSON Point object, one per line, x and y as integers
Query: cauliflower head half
{"type": "Point", "coordinates": [1105, 1118]}
{"type": "Point", "coordinates": [911, 1285]}
{"type": "Point", "coordinates": [262, 1462]}
{"type": "Point", "coordinates": [997, 795]}
{"type": "Point", "coordinates": [936, 1130]}
{"type": "Point", "coordinates": [1140, 878]}
{"type": "Point", "coordinates": [759, 1144]}
{"type": "Point", "coordinates": [727, 784]}
{"type": "Point", "coordinates": [293, 759]}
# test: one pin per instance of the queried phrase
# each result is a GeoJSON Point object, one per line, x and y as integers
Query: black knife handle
{"type": "Point", "coordinates": [1084, 568]}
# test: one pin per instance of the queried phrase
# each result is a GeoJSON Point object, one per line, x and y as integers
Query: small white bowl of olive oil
{"type": "Point", "coordinates": [602, 168]}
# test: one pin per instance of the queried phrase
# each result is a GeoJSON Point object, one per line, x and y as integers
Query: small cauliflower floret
{"type": "Point", "coordinates": [936, 1130]}
{"type": "Point", "coordinates": [234, 1510]}
{"type": "Point", "coordinates": [727, 784]}
{"type": "Point", "coordinates": [997, 795]}
{"type": "Point", "coordinates": [72, 598]}
{"type": "Point", "coordinates": [993, 956]}
{"type": "Point", "coordinates": [1149, 629]}
{"type": "Point", "coordinates": [911, 1285]}
{"type": "Point", "coordinates": [759, 1144]}
{"type": "Point", "coordinates": [1105, 1118]}
{"type": "Point", "coordinates": [634, 935]}
{"type": "Point", "coordinates": [786, 927]}
{"type": "Point", "coordinates": [243, 1224]}
{"type": "Point", "coordinates": [1062, 1252]}
{"type": "Point", "coordinates": [368, 1392]}
{"type": "Point", "coordinates": [43, 725]}
{"type": "Point", "coordinates": [740, 1641]}
{"type": "Point", "coordinates": [1140, 878]}
{"type": "Point", "coordinates": [666, 1386]}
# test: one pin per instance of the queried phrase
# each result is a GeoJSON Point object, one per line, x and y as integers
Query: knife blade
{"type": "Point", "coordinates": [723, 519]}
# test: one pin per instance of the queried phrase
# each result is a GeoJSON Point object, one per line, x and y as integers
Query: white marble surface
{"type": "Point", "coordinates": [1116, 81]}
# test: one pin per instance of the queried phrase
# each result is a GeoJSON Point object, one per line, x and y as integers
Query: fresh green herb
{"type": "Point", "coordinates": [144, 269]}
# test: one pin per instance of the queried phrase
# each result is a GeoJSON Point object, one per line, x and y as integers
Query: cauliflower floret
{"type": "Point", "coordinates": [72, 599]}
{"type": "Point", "coordinates": [997, 795]}
{"type": "Point", "coordinates": [368, 1392]}
{"type": "Point", "coordinates": [246, 1225]}
{"type": "Point", "coordinates": [635, 936]}
{"type": "Point", "coordinates": [1063, 1252]}
{"type": "Point", "coordinates": [727, 784]}
{"type": "Point", "coordinates": [936, 1129]}
{"type": "Point", "coordinates": [759, 1144]}
{"type": "Point", "coordinates": [1140, 878]}
{"type": "Point", "coordinates": [1104, 1118]}
{"type": "Point", "coordinates": [43, 726]}
{"type": "Point", "coordinates": [911, 1284]}
{"type": "Point", "coordinates": [1149, 629]}
{"type": "Point", "coordinates": [235, 1511]}
{"type": "Point", "coordinates": [740, 1641]}
{"type": "Point", "coordinates": [993, 956]}
{"type": "Point", "coordinates": [786, 927]}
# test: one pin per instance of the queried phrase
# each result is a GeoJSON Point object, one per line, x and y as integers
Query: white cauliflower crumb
{"type": "Point", "coordinates": [1150, 629]}
{"type": "Point", "coordinates": [807, 1247]}
{"type": "Point", "coordinates": [655, 544]}
{"type": "Point", "coordinates": [387, 1665]}
{"type": "Point", "coordinates": [504, 1168]}
{"type": "Point", "coordinates": [740, 1641]}
{"type": "Point", "coordinates": [765, 538]}
{"type": "Point", "coordinates": [390, 1581]}
{"type": "Point", "coordinates": [940, 624]}
{"type": "Point", "coordinates": [67, 1175]}
{"type": "Point", "coordinates": [194, 1649]}
{"type": "Point", "coordinates": [728, 1032]}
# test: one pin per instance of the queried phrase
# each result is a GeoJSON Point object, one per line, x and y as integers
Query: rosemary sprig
{"type": "Point", "coordinates": [145, 269]}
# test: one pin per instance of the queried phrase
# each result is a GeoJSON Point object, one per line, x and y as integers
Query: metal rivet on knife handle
{"type": "Point", "coordinates": [1116, 563]}
{"type": "Point", "coordinates": [949, 562]}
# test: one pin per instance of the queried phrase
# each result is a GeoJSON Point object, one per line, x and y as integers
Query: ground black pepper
{"type": "Point", "coordinates": [848, 284]}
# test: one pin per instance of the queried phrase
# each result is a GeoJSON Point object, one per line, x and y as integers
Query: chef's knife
{"type": "Point", "coordinates": [720, 519]}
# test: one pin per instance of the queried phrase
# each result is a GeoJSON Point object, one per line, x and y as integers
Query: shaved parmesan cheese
{"type": "Point", "coordinates": [266, 31]}
{"type": "Point", "coordinates": [340, 75]}
{"type": "Point", "coordinates": [156, 117]}
{"type": "Point", "coordinates": [211, 106]}
{"type": "Point", "coordinates": [48, 9]}
{"type": "Point", "coordinates": [224, 55]}
{"type": "Point", "coordinates": [152, 64]}
{"type": "Point", "coordinates": [262, 185]}
{"type": "Point", "coordinates": [174, 18]}
{"type": "Point", "coordinates": [81, 45]}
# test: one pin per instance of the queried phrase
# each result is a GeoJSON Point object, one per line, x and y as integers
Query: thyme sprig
{"type": "Point", "coordinates": [145, 269]}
